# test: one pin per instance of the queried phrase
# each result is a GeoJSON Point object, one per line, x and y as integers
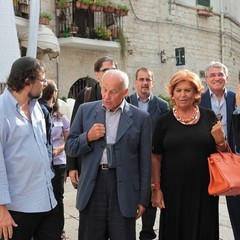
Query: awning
{"type": "Point", "coordinates": [47, 41]}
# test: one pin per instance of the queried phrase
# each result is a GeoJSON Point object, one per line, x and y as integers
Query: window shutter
{"type": "Point", "coordinates": [205, 3]}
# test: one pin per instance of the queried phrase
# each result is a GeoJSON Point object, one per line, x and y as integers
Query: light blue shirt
{"type": "Point", "coordinates": [143, 105]}
{"type": "Point", "coordinates": [112, 121]}
{"type": "Point", "coordinates": [220, 108]}
{"type": "Point", "coordinates": [25, 168]}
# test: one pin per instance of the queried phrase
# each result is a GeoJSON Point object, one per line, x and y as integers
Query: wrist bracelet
{"type": "Point", "coordinates": [155, 186]}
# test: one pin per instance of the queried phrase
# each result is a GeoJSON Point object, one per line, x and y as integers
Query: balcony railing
{"type": "Point", "coordinates": [21, 8]}
{"type": "Point", "coordinates": [88, 21]}
{"type": "Point", "coordinates": [76, 23]}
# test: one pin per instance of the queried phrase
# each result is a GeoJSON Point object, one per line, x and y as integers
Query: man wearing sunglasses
{"type": "Point", "coordinates": [89, 94]}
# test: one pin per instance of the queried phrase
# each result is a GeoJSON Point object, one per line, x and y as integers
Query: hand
{"type": "Point", "coordinates": [6, 223]}
{"type": "Point", "coordinates": [141, 210]}
{"type": "Point", "coordinates": [95, 132]}
{"type": "Point", "coordinates": [55, 152]}
{"type": "Point", "coordinates": [218, 133]}
{"type": "Point", "coordinates": [157, 198]}
{"type": "Point", "coordinates": [74, 177]}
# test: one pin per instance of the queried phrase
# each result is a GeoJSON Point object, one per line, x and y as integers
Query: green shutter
{"type": "Point", "coordinates": [205, 3]}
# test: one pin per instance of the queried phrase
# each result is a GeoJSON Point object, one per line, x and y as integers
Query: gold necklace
{"type": "Point", "coordinates": [187, 121]}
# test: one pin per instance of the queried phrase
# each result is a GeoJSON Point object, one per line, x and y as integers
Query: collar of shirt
{"type": "Point", "coordinates": [14, 103]}
{"type": "Point", "coordinates": [213, 94]}
{"type": "Point", "coordinates": [143, 104]}
{"type": "Point", "coordinates": [146, 100]}
{"type": "Point", "coordinates": [121, 107]}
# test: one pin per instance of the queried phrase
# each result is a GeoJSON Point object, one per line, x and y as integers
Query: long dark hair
{"type": "Point", "coordinates": [55, 108]}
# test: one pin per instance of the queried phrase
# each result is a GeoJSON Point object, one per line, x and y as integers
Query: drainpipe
{"type": "Point", "coordinates": [222, 30]}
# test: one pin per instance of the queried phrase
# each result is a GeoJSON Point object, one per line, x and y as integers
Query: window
{"type": "Point", "coordinates": [205, 3]}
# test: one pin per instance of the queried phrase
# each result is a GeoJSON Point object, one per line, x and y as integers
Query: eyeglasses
{"type": "Point", "coordinates": [42, 80]}
{"type": "Point", "coordinates": [56, 90]}
{"type": "Point", "coordinates": [219, 117]}
{"type": "Point", "coordinates": [144, 79]}
{"type": "Point", "coordinates": [106, 69]}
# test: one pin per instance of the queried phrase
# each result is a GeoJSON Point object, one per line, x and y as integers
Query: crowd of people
{"type": "Point", "coordinates": [126, 154]}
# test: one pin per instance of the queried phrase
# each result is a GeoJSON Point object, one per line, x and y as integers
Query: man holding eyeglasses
{"type": "Point", "coordinates": [102, 65]}
{"type": "Point", "coordinates": [156, 107]}
{"type": "Point", "coordinates": [223, 103]}
{"type": "Point", "coordinates": [28, 208]}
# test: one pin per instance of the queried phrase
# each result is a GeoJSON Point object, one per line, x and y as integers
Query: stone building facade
{"type": "Point", "coordinates": [153, 31]}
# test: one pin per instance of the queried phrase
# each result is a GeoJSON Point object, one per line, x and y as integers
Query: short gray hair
{"type": "Point", "coordinates": [214, 64]}
{"type": "Point", "coordinates": [121, 76]}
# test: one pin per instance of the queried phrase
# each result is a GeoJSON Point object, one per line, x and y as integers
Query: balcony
{"type": "Point", "coordinates": [21, 8]}
{"type": "Point", "coordinates": [89, 44]}
{"type": "Point", "coordinates": [88, 26]}
{"type": "Point", "coordinates": [83, 26]}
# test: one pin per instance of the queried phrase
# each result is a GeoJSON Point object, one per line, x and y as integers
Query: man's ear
{"type": "Point", "coordinates": [226, 79]}
{"type": "Point", "coordinates": [28, 82]}
{"type": "Point", "coordinates": [125, 92]}
{"type": "Point", "coordinates": [97, 75]}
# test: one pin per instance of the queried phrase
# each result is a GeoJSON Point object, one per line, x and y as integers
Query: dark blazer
{"type": "Point", "coordinates": [231, 102]}
{"type": "Point", "coordinates": [132, 151]}
{"type": "Point", "coordinates": [157, 107]}
{"type": "Point", "coordinates": [74, 163]}
{"type": "Point", "coordinates": [236, 130]}
{"type": "Point", "coordinates": [95, 95]}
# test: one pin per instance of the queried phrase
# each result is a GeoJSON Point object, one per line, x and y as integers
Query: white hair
{"type": "Point", "coordinates": [122, 76]}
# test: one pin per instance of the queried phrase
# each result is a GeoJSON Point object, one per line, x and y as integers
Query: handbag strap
{"type": "Point", "coordinates": [228, 149]}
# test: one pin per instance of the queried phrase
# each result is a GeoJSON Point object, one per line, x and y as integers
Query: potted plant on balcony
{"type": "Point", "coordinates": [102, 33]}
{"type": "Point", "coordinates": [123, 10]}
{"type": "Point", "coordinates": [117, 10]}
{"type": "Point", "coordinates": [109, 7]}
{"type": "Point", "coordinates": [85, 4]}
{"type": "Point", "coordinates": [97, 5]}
{"type": "Point", "coordinates": [62, 4]}
{"type": "Point", "coordinates": [45, 18]}
{"type": "Point", "coordinates": [78, 4]}
{"type": "Point", "coordinates": [73, 28]}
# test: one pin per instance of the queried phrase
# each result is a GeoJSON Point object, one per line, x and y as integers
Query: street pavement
{"type": "Point", "coordinates": [72, 217]}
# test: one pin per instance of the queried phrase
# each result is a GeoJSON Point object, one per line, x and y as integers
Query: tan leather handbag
{"type": "Point", "coordinates": [224, 170]}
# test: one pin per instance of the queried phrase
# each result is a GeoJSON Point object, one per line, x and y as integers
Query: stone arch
{"type": "Point", "coordinates": [79, 85]}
